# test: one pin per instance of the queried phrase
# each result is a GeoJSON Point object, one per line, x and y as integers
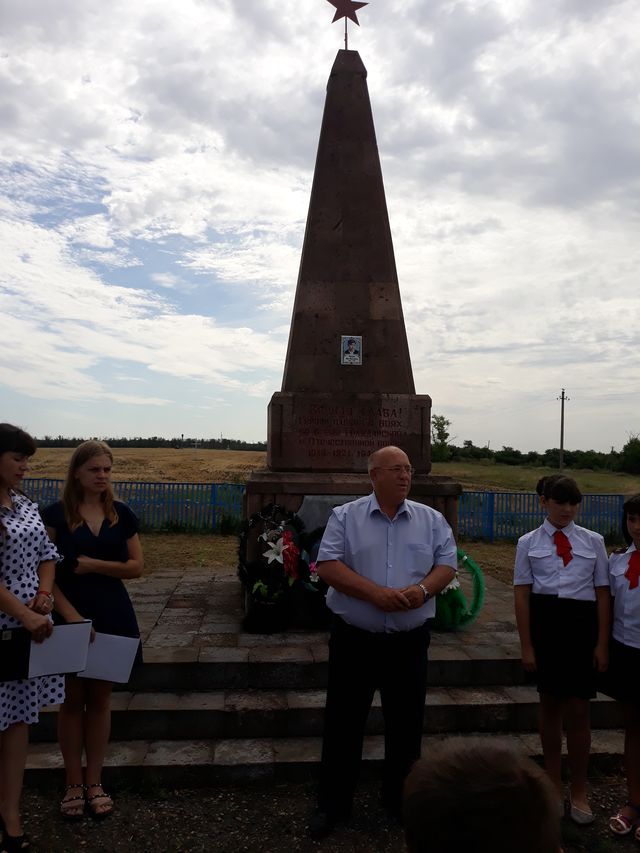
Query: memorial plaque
{"type": "Point", "coordinates": [337, 432]}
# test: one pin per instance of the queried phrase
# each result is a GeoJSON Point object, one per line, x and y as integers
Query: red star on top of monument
{"type": "Point", "coordinates": [346, 9]}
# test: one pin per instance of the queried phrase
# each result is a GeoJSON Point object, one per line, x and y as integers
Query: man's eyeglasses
{"type": "Point", "coordinates": [398, 469]}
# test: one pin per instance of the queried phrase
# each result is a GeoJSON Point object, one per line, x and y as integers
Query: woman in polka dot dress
{"type": "Point", "coordinates": [27, 565]}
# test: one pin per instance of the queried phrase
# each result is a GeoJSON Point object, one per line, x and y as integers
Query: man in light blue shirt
{"type": "Point", "coordinates": [384, 558]}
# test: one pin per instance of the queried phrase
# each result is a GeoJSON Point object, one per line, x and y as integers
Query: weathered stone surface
{"type": "Point", "coordinates": [337, 432]}
{"type": "Point", "coordinates": [289, 490]}
{"type": "Point", "coordinates": [348, 284]}
{"type": "Point", "coordinates": [237, 751]}
{"type": "Point", "coordinates": [181, 753]}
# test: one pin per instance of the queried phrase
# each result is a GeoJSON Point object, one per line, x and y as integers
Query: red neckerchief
{"type": "Point", "coordinates": [633, 569]}
{"type": "Point", "coordinates": [563, 546]}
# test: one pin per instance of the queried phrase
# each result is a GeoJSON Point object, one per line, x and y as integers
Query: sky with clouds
{"type": "Point", "coordinates": [155, 168]}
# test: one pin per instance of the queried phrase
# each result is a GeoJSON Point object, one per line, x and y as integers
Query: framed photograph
{"type": "Point", "coordinates": [351, 349]}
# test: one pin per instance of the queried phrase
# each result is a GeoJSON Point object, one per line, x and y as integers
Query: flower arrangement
{"type": "Point", "coordinates": [278, 571]}
{"type": "Point", "coordinates": [277, 567]}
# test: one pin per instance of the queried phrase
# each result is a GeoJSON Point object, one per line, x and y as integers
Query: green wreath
{"type": "Point", "coordinates": [452, 610]}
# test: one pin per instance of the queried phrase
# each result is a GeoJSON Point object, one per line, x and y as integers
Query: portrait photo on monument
{"type": "Point", "coordinates": [351, 349]}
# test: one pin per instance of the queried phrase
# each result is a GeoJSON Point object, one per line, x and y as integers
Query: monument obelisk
{"type": "Point", "coordinates": [348, 384]}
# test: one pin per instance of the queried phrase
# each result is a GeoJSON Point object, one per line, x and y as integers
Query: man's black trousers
{"type": "Point", "coordinates": [359, 662]}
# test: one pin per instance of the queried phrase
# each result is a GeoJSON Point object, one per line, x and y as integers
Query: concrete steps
{"type": "Point", "coordinates": [252, 713]}
{"type": "Point", "coordinates": [212, 704]}
{"type": "Point", "coordinates": [227, 761]}
{"type": "Point", "coordinates": [270, 662]}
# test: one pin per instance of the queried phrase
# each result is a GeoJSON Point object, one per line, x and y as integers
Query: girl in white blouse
{"type": "Point", "coordinates": [562, 607]}
{"type": "Point", "coordinates": [623, 681]}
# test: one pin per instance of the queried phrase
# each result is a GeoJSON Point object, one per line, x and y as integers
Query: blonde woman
{"type": "Point", "coordinates": [98, 538]}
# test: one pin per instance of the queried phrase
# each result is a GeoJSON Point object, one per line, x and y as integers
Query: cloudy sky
{"type": "Point", "coordinates": [156, 160]}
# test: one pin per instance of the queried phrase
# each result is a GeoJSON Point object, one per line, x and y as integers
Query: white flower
{"type": "Point", "coordinates": [455, 584]}
{"type": "Point", "coordinates": [275, 551]}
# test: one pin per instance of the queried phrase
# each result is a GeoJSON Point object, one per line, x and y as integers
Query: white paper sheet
{"type": "Point", "coordinates": [64, 651]}
{"type": "Point", "coordinates": [111, 658]}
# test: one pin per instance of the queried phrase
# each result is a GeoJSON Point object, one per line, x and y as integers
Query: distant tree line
{"type": "Point", "coordinates": [444, 450]}
{"type": "Point", "coordinates": [156, 441]}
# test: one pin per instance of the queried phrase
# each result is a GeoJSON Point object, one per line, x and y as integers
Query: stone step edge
{"type": "Point", "coordinates": [229, 672]}
{"type": "Point", "coordinates": [239, 701]}
{"type": "Point", "coordinates": [306, 653]}
{"type": "Point", "coordinates": [265, 755]}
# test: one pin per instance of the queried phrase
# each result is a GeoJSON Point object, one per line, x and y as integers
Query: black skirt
{"type": "Point", "coordinates": [564, 633]}
{"type": "Point", "coordinates": [621, 680]}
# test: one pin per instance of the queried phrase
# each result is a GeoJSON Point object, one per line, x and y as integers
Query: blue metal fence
{"type": "Point", "coordinates": [191, 506]}
{"type": "Point", "coordinates": [508, 515]}
{"type": "Point", "coordinates": [201, 506]}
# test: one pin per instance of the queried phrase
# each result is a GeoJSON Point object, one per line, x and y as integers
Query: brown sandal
{"type": "Point", "coordinates": [94, 805]}
{"type": "Point", "coordinates": [70, 805]}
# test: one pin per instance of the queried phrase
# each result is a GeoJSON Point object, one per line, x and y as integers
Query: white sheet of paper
{"type": "Point", "coordinates": [64, 651]}
{"type": "Point", "coordinates": [111, 658]}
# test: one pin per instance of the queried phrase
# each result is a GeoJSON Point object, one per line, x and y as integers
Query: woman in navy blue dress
{"type": "Point", "coordinates": [98, 538]}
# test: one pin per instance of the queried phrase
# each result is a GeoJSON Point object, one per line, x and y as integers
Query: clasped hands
{"type": "Point", "coordinates": [390, 600]}
{"type": "Point", "coordinates": [36, 620]}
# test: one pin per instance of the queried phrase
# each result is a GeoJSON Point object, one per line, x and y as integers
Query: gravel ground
{"type": "Point", "coordinates": [258, 818]}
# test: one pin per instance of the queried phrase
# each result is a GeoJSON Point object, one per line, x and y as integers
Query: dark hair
{"type": "Point", "coordinates": [561, 489]}
{"type": "Point", "coordinates": [469, 794]}
{"type": "Point", "coordinates": [548, 478]}
{"type": "Point", "coordinates": [16, 440]}
{"type": "Point", "coordinates": [630, 507]}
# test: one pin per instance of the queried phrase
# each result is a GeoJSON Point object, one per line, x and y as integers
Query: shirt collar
{"type": "Point", "coordinates": [16, 500]}
{"type": "Point", "coordinates": [551, 529]}
{"type": "Point", "coordinates": [374, 505]}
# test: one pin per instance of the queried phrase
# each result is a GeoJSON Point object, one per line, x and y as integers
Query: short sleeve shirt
{"type": "Point", "coordinates": [394, 552]}
{"type": "Point", "coordinates": [538, 563]}
{"type": "Point", "coordinates": [626, 601]}
{"type": "Point", "coordinates": [23, 546]}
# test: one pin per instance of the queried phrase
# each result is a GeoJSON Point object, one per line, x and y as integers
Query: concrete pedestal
{"type": "Point", "coordinates": [289, 488]}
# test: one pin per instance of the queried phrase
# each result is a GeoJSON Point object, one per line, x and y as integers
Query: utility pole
{"type": "Point", "coordinates": [562, 399]}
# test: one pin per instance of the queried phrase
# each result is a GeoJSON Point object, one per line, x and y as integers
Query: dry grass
{"type": "Point", "coordinates": [190, 550]}
{"type": "Point", "coordinates": [160, 464]}
{"type": "Point", "coordinates": [484, 475]}
{"type": "Point", "coordinates": [494, 558]}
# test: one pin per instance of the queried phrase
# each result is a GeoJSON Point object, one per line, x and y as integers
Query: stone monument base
{"type": "Point", "coordinates": [289, 489]}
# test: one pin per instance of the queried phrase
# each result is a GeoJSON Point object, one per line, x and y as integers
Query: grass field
{"type": "Point", "coordinates": [157, 464]}
{"type": "Point", "coordinates": [481, 476]}
{"type": "Point", "coordinates": [190, 550]}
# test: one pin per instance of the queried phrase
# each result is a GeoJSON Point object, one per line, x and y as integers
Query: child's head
{"type": "Point", "coordinates": [542, 482]}
{"type": "Point", "coordinates": [561, 489]}
{"type": "Point", "coordinates": [631, 520]}
{"type": "Point", "coordinates": [470, 794]}
{"type": "Point", "coordinates": [560, 499]}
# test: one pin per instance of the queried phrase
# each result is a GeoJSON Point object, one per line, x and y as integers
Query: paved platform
{"type": "Point", "coordinates": [191, 615]}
